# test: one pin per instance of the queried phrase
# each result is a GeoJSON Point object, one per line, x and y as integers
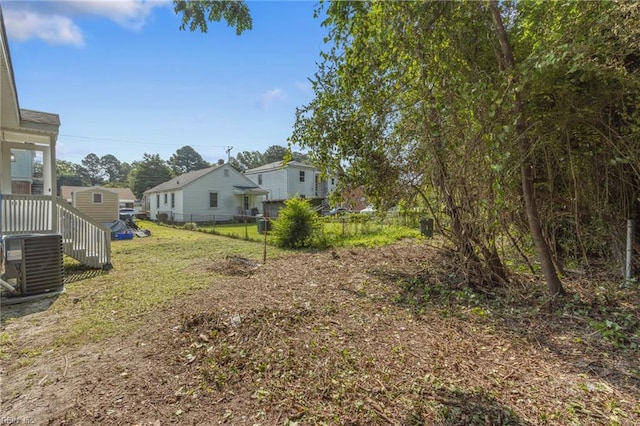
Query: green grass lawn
{"type": "Point", "coordinates": [147, 273]}
{"type": "Point", "coordinates": [341, 232]}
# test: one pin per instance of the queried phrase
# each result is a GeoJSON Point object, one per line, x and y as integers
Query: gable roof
{"type": "Point", "coordinates": [182, 180]}
{"type": "Point", "coordinates": [39, 117]}
{"type": "Point", "coordinates": [124, 194]}
{"type": "Point", "coordinates": [279, 165]}
{"type": "Point", "coordinates": [187, 178]}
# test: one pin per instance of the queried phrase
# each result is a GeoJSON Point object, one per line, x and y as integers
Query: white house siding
{"type": "Point", "coordinates": [304, 189]}
{"type": "Point", "coordinates": [166, 208]}
{"type": "Point", "coordinates": [274, 181]}
{"type": "Point", "coordinates": [284, 183]}
{"type": "Point", "coordinates": [197, 197]}
{"type": "Point", "coordinates": [192, 200]}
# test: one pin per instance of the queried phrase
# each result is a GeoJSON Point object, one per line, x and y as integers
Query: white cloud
{"type": "Point", "coordinates": [53, 21]}
{"type": "Point", "coordinates": [131, 14]}
{"type": "Point", "coordinates": [54, 29]}
{"type": "Point", "coordinates": [303, 86]}
{"type": "Point", "coordinates": [270, 96]}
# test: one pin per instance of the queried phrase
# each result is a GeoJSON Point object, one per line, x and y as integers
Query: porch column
{"type": "Point", "coordinates": [5, 169]}
{"type": "Point", "coordinates": [49, 170]}
{"type": "Point", "coordinates": [49, 181]}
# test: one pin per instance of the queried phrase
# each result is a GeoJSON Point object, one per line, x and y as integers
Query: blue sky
{"type": "Point", "coordinates": [126, 81]}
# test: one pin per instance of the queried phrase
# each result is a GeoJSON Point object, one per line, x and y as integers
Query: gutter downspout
{"type": "Point", "coordinates": [9, 287]}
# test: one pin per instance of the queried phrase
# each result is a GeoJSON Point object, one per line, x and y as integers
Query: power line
{"type": "Point", "coordinates": [128, 141]}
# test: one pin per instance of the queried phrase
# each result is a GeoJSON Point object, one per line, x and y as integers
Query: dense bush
{"type": "Point", "coordinates": [190, 226]}
{"type": "Point", "coordinates": [295, 225]}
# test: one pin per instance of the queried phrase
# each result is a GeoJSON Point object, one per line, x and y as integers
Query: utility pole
{"type": "Point", "coordinates": [229, 148]}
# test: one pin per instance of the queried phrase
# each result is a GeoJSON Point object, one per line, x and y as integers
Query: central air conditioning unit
{"type": "Point", "coordinates": [33, 264]}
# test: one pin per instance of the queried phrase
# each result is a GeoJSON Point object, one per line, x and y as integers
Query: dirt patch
{"type": "Point", "coordinates": [350, 336]}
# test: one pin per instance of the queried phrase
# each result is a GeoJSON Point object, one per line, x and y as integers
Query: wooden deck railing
{"type": "Point", "coordinates": [83, 239]}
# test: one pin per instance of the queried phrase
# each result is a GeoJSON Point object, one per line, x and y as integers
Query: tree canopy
{"type": "Point", "coordinates": [246, 160]}
{"type": "Point", "coordinates": [506, 114]}
{"type": "Point", "coordinates": [149, 172]}
{"type": "Point", "coordinates": [196, 14]}
{"type": "Point", "coordinates": [186, 159]}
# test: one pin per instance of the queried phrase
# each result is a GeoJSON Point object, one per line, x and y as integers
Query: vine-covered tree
{"type": "Point", "coordinates": [186, 159]}
{"type": "Point", "coordinates": [510, 112]}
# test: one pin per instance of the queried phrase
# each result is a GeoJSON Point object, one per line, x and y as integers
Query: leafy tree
{"type": "Point", "coordinates": [111, 167]}
{"type": "Point", "coordinates": [237, 165]}
{"type": "Point", "coordinates": [68, 174]}
{"type": "Point", "coordinates": [294, 227]}
{"type": "Point", "coordinates": [386, 119]}
{"type": "Point", "coordinates": [185, 160]}
{"type": "Point", "coordinates": [66, 167]}
{"type": "Point", "coordinates": [510, 124]}
{"type": "Point", "coordinates": [38, 167]}
{"type": "Point", "coordinates": [92, 169]}
{"type": "Point", "coordinates": [149, 172]}
{"type": "Point", "coordinates": [299, 156]}
{"type": "Point", "coordinates": [125, 170]}
{"type": "Point", "coordinates": [275, 153]}
{"type": "Point", "coordinates": [250, 159]}
{"type": "Point", "coordinates": [196, 14]}
{"type": "Point", "coordinates": [521, 124]}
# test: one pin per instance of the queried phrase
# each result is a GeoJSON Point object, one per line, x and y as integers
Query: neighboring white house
{"type": "Point", "coordinates": [284, 181]}
{"type": "Point", "coordinates": [214, 194]}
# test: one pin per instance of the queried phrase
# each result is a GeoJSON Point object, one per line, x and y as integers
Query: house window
{"type": "Point", "coordinates": [213, 199]}
{"type": "Point", "coordinates": [173, 200]}
{"type": "Point", "coordinates": [226, 172]}
{"type": "Point", "coordinates": [301, 175]}
{"type": "Point", "coordinates": [158, 200]}
{"type": "Point", "coordinates": [259, 179]}
{"type": "Point", "coordinates": [333, 181]}
{"type": "Point", "coordinates": [246, 202]}
{"type": "Point", "coordinates": [97, 198]}
{"type": "Point", "coordinates": [165, 199]}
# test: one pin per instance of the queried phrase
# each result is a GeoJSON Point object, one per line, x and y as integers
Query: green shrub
{"type": "Point", "coordinates": [295, 225]}
{"type": "Point", "coordinates": [190, 226]}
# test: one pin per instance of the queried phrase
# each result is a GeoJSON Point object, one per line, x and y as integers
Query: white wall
{"type": "Point", "coordinates": [284, 183]}
{"type": "Point", "coordinates": [192, 200]}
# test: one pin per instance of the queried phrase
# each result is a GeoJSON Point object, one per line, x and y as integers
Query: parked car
{"type": "Point", "coordinates": [127, 213]}
{"type": "Point", "coordinates": [368, 210]}
{"type": "Point", "coordinates": [338, 210]}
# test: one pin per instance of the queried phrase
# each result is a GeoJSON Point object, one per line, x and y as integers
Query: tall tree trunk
{"type": "Point", "coordinates": [542, 249]}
